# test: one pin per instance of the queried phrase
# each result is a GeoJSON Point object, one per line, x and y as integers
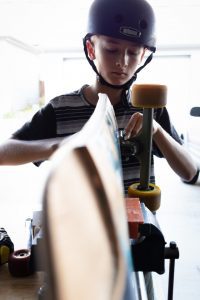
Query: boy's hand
{"type": "Point", "coordinates": [134, 126]}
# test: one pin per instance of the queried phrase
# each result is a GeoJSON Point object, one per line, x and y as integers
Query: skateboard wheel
{"type": "Point", "coordinates": [149, 95]}
{"type": "Point", "coordinates": [19, 263]}
{"type": "Point", "coordinates": [150, 198]}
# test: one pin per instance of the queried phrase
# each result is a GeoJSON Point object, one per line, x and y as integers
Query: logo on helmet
{"type": "Point", "coordinates": [129, 31]}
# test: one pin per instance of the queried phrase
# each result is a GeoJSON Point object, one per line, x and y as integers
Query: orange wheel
{"type": "Point", "coordinates": [151, 198]}
{"type": "Point", "coordinates": [149, 95]}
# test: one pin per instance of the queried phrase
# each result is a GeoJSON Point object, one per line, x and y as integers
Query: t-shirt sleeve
{"type": "Point", "coordinates": [41, 126]}
{"type": "Point", "coordinates": [163, 118]}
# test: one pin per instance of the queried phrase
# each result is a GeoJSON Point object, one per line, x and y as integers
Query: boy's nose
{"type": "Point", "coordinates": [122, 61]}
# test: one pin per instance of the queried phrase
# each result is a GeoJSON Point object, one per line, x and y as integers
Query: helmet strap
{"type": "Point", "coordinates": [147, 61]}
{"type": "Point", "coordinates": [124, 86]}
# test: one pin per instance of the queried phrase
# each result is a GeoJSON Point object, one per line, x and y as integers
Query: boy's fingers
{"type": "Point", "coordinates": [134, 125]}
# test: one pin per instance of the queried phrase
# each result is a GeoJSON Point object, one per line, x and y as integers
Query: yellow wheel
{"type": "Point", "coordinates": [149, 95]}
{"type": "Point", "coordinates": [151, 198]}
{"type": "Point", "coordinates": [4, 254]}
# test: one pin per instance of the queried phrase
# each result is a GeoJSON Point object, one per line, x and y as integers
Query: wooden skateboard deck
{"type": "Point", "coordinates": [85, 223]}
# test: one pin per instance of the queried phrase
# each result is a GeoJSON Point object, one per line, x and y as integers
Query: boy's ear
{"type": "Point", "coordinates": [90, 49]}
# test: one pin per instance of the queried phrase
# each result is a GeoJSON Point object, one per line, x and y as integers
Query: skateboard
{"type": "Point", "coordinates": [85, 226]}
{"type": "Point", "coordinates": [148, 97]}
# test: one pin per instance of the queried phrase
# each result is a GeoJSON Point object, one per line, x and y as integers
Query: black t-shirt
{"type": "Point", "coordinates": [66, 114]}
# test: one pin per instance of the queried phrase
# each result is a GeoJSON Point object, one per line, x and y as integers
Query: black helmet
{"type": "Point", "coordinates": [132, 20]}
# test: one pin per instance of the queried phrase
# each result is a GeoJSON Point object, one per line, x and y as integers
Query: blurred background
{"type": "Point", "coordinates": [42, 54]}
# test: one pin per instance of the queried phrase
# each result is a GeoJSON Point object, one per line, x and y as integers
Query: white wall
{"type": "Point", "coordinates": [173, 71]}
{"type": "Point", "coordinates": [19, 77]}
{"type": "Point", "coordinates": [59, 26]}
{"type": "Point", "coordinates": [51, 72]}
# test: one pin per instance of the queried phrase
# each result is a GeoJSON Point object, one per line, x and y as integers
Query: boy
{"type": "Point", "coordinates": [119, 33]}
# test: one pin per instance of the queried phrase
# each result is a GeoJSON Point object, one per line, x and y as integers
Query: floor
{"type": "Point", "coordinates": [179, 218]}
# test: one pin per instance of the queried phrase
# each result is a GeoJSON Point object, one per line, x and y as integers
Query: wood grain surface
{"type": "Point", "coordinates": [24, 288]}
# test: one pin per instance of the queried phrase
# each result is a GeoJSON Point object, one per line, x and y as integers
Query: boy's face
{"type": "Point", "coordinates": [115, 59]}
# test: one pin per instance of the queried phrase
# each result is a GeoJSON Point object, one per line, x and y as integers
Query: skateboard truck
{"type": "Point", "coordinates": [130, 147]}
{"type": "Point", "coordinates": [140, 146]}
{"type": "Point", "coordinates": [148, 97]}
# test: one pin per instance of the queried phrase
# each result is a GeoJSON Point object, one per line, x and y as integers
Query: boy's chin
{"type": "Point", "coordinates": [117, 82]}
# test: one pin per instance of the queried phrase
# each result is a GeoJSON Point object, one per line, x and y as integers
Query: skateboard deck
{"type": "Point", "coordinates": [85, 223]}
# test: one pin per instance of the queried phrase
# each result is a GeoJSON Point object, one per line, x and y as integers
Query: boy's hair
{"type": "Point", "coordinates": [131, 20]}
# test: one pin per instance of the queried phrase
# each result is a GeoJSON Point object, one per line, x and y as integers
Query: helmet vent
{"type": "Point", "coordinates": [143, 24]}
{"type": "Point", "coordinates": [129, 31]}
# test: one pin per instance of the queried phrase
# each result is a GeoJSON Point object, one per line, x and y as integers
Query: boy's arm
{"type": "Point", "coordinates": [16, 152]}
{"type": "Point", "coordinates": [176, 155]}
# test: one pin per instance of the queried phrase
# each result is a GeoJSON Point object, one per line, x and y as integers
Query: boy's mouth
{"type": "Point", "coordinates": [119, 74]}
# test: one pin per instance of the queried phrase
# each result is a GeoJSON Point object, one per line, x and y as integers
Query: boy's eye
{"type": "Point", "coordinates": [130, 52]}
{"type": "Point", "coordinates": [111, 50]}
{"type": "Point", "coordinates": [133, 53]}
